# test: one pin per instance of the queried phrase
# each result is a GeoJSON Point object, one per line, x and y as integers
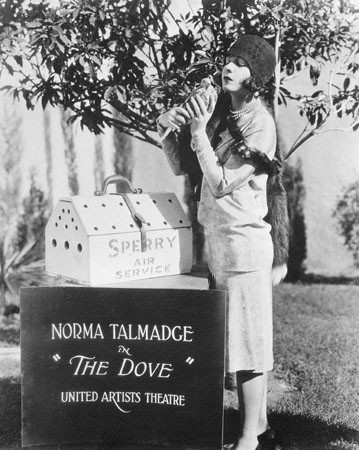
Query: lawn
{"type": "Point", "coordinates": [317, 360]}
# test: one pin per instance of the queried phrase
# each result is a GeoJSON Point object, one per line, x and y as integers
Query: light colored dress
{"type": "Point", "coordinates": [240, 251]}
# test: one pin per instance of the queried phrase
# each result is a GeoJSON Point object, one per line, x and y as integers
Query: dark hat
{"type": "Point", "coordinates": [258, 55]}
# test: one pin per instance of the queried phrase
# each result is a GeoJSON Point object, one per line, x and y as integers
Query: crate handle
{"type": "Point", "coordinates": [114, 179]}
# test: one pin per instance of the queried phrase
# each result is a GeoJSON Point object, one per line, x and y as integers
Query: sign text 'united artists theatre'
{"type": "Point", "coordinates": [88, 365]}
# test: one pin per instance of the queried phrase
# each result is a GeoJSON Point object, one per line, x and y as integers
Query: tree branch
{"type": "Point", "coordinates": [299, 143]}
{"type": "Point", "coordinates": [277, 71]}
{"type": "Point", "coordinates": [341, 129]}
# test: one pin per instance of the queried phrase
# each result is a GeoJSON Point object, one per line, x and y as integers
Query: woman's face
{"type": "Point", "coordinates": [234, 74]}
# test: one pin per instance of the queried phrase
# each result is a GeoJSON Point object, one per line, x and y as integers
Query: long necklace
{"type": "Point", "coordinates": [241, 112]}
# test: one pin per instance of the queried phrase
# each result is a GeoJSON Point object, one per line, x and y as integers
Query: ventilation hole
{"type": "Point", "coordinates": [59, 217]}
{"type": "Point", "coordinates": [66, 226]}
{"type": "Point", "coordinates": [180, 221]}
{"type": "Point", "coordinates": [113, 227]}
{"type": "Point", "coordinates": [131, 225]}
{"type": "Point", "coordinates": [95, 228]}
{"type": "Point", "coordinates": [170, 200]}
{"type": "Point", "coordinates": [138, 203]}
{"type": "Point", "coordinates": [54, 243]}
{"type": "Point", "coordinates": [121, 204]}
{"type": "Point", "coordinates": [154, 201]}
{"type": "Point", "coordinates": [164, 223]}
{"type": "Point", "coordinates": [68, 211]}
{"type": "Point", "coordinates": [148, 223]}
{"type": "Point", "coordinates": [56, 224]}
{"type": "Point", "coordinates": [67, 245]}
{"type": "Point", "coordinates": [63, 210]}
{"type": "Point", "coordinates": [79, 247]}
{"type": "Point", "coordinates": [76, 227]}
{"type": "Point", "coordinates": [72, 219]}
{"type": "Point", "coordinates": [85, 206]}
{"type": "Point", "coordinates": [103, 205]}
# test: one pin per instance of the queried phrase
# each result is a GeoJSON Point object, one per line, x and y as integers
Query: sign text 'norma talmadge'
{"type": "Point", "coordinates": [88, 365]}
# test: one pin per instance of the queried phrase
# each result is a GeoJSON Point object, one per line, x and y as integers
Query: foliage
{"type": "Point", "coordinates": [32, 222]}
{"type": "Point", "coordinates": [22, 246]}
{"type": "Point", "coordinates": [19, 252]}
{"type": "Point", "coordinates": [10, 183]}
{"type": "Point", "coordinates": [121, 63]}
{"type": "Point", "coordinates": [347, 215]}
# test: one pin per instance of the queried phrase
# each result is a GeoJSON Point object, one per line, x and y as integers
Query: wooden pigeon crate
{"type": "Point", "coordinates": [111, 238]}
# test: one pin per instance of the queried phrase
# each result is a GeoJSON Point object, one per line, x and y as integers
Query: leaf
{"type": "Point", "coordinates": [9, 68]}
{"type": "Point", "coordinates": [75, 13]}
{"type": "Point", "coordinates": [276, 15]}
{"type": "Point", "coordinates": [314, 73]}
{"type": "Point", "coordinates": [18, 59]}
{"type": "Point", "coordinates": [6, 88]}
{"type": "Point", "coordinates": [35, 24]}
{"type": "Point", "coordinates": [44, 101]}
{"type": "Point", "coordinates": [108, 93]}
{"type": "Point", "coordinates": [96, 59]}
{"type": "Point", "coordinates": [346, 83]}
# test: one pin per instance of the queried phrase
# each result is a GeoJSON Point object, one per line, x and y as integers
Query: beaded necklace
{"type": "Point", "coordinates": [241, 112]}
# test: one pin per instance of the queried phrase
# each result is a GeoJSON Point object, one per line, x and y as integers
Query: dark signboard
{"type": "Point", "coordinates": [122, 366]}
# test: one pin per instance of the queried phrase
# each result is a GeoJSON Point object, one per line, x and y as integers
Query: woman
{"type": "Point", "coordinates": [235, 145]}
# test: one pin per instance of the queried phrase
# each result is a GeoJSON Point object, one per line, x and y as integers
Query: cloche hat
{"type": "Point", "coordinates": [258, 55]}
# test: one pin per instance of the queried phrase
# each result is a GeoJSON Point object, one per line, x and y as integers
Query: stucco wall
{"type": "Point", "coordinates": [330, 162]}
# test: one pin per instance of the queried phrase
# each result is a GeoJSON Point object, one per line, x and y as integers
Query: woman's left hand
{"type": "Point", "coordinates": [200, 113]}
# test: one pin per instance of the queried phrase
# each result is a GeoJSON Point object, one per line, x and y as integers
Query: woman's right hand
{"type": "Point", "coordinates": [174, 118]}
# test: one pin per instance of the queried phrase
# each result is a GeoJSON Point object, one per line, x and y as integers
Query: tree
{"type": "Point", "coordinates": [21, 236]}
{"type": "Point", "coordinates": [122, 63]}
{"type": "Point", "coordinates": [70, 153]}
{"type": "Point", "coordinates": [32, 221]}
{"type": "Point", "coordinates": [346, 213]}
{"type": "Point", "coordinates": [10, 183]}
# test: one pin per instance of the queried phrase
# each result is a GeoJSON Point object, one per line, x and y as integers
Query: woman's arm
{"type": "Point", "coordinates": [222, 179]}
{"type": "Point", "coordinates": [173, 119]}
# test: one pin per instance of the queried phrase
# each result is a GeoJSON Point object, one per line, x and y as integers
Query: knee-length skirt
{"type": "Point", "coordinates": [249, 342]}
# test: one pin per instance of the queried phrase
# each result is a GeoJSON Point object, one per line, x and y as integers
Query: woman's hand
{"type": "Point", "coordinates": [199, 113]}
{"type": "Point", "coordinates": [174, 118]}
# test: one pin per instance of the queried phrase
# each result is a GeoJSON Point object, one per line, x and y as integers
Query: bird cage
{"type": "Point", "coordinates": [111, 238]}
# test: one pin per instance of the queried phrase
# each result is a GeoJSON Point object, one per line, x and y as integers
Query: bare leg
{"type": "Point", "coordinates": [263, 419]}
{"type": "Point", "coordinates": [251, 389]}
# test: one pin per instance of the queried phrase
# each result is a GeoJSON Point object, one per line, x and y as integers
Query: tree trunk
{"type": "Point", "coordinates": [197, 230]}
{"type": "Point", "coordinates": [70, 154]}
{"type": "Point", "coordinates": [48, 155]}
{"type": "Point", "coordinates": [2, 279]}
{"type": "Point", "coordinates": [277, 72]}
{"type": "Point", "coordinates": [123, 157]}
{"type": "Point", "coordinates": [99, 163]}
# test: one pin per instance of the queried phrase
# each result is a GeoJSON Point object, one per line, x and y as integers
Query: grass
{"type": "Point", "coordinates": [315, 341]}
{"type": "Point", "coordinates": [9, 331]}
{"type": "Point", "coordinates": [316, 354]}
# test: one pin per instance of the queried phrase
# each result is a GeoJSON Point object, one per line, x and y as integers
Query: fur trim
{"type": "Point", "coordinates": [278, 215]}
